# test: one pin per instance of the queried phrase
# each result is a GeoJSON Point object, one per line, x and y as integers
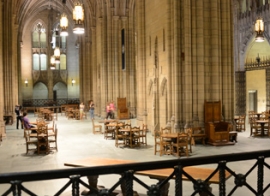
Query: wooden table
{"type": "Point", "coordinates": [159, 174]}
{"type": "Point", "coordinates": [262, 123]}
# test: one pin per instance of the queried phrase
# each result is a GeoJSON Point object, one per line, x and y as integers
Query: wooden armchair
{"type": "Point", "coordinates": [122, 109]}
{"type": "Point", "coordinates": [218, 133]}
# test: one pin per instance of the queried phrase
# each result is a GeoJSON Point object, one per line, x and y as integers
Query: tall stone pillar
{"type": "Point", "coordinates": [103, 68]}
{"type": "Point", "coordinates": [2, 123]}
{"type": "Point", "coordinates": [125, 76]}
{"type": "Point", "coordinates": [116, 62]}
{"type": "Point", "coordinates": [141, 64]}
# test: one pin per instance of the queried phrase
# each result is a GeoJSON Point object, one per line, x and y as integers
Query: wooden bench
{"type": "Point", "coordinates": [159, 174]}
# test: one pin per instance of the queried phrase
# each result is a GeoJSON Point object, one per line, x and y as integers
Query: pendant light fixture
{"type": "Point", "coordinates": [64, 22]}
{"type": "Point", "coordinates": [259, 29]}
{"type": "Point", "coordinates": [78, 17]}
{"type": "Point", "coordinates": [52, 62]}
{"type": "Point", "coordinates": [57, 54]}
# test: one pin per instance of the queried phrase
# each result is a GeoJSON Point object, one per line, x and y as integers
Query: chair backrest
{"type": "Point", "coordinates": [42, 129]}
{"type": "Point", "coordinates": [183, 138]}
{"type": "Point", "coordinates": [165, 130]}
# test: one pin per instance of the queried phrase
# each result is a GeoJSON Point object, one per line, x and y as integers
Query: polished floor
{"type": "Point", "coordinates": [76, 141]}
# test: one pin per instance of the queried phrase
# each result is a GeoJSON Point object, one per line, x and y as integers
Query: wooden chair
{"type": "Point", "coordinates": [120, 137]}
{"type": "Point", "coordinates": [198, 134]}
{"type": "Point", "coordinates": [53, 139]}
{"type": "Point", "coordinates": [133, 138]}
{"type": "Point", "coordinates": [96, 128]}
{"type": "Point", "coordinates": [191, 141]}
{"type": "Point", "coordinates": [241, 123]}
{"type": "Point", "coordinates": [157, 142]}
{"type": "Point", "coordinates": [42, 137]}
{"type": "Point", "coordinates": [255, 128]}
{"type": "Point", "coordinates": [166, 143]}
{"type": "Point", "coordinates": [109, 131]}
{"type": "Point", "coordinates": [31, 144]}
{"type": "Point", "coordinates": [143, 135]}
{"type": "Point", "coordinates": [181, 144]}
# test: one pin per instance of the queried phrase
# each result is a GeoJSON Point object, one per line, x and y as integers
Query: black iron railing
{"type": "Point", "coordinates": [128, 176]}
{"type": "Point", "coordinates": [48, 102]}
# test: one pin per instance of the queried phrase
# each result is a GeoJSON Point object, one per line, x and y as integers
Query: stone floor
{"type": "Point", "coordinates": [76, 141]}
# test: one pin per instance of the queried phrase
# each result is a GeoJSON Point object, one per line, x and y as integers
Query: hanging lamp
{"type": "Point", "coordinates": [78, 17]}
{"type": "Point", "coordinates": [52, 62]}
{"type": "Point", "coordinates": [57, 54]}
{"type": "Point", "coordinates": [64, 22]}
{"type": "Point", "coordinates": [259, 29]}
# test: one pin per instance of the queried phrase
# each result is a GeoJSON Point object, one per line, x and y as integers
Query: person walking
{"type": "Point", "coordinates": [108, 110]}
{"type": "Point", "coordinates": [92, 109]}
{"type": "Point", "coordinates": [18, 111]}
{"type": "Point", "coordinates": [112, 108]}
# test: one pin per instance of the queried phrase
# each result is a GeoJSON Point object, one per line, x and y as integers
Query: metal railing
{"type": "Point", "coordinates": [128, 176]}
{"type": "Point", "coordinates": [48, 102]}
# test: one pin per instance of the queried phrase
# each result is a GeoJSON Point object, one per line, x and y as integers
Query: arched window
{"type": "Point", "coordinates": [39, 45]}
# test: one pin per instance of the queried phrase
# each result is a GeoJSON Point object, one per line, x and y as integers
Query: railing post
{"type": "Point", "coordinates": [75, 185]}
{"type": "Point", "coordinates": [222, 184]}
{"type": "Point", "coordinates": [128, 178]}
{"type": "Point", "coordinates": [16, 190]}
{"type": "Point", "coordinates": [178, 180]}
{"type": "Point", "coordinates": [260, 175]}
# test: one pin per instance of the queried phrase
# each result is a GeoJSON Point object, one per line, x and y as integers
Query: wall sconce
{"type": "Point", "coordinates": [73, 82]}
{"type": "Point", "coordinates": [26, 82]}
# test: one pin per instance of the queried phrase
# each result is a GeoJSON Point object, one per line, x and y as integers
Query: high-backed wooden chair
{"type": "Point", "coordinates": [166, 143]}
{"type": "Point", "coordinates": [43, 140]}
{"type": "Point", "coordinates": [31, 144]}
{"type": "Point", "coordinates": [157, 142]}
{"type": "Point", "coordinates": [241, 123]}
{"type": "Point", "coordinates": [120, 137]}
{"type": "Point", "coordinates": [96, 128]}
{"type": "Point", "coordinates": [122, 109]}
{"type": "Point", "coordinates": [53, 139]}
{"type": "Point", "coordinates": [143, 135]}
{"type": "Point", "coordinates": [181, 144]}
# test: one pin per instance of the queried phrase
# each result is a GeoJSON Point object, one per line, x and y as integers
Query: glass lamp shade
{"type": "Point", "coordinates": [78, 13]}
{"type": "Point", "coordinates": [52, 62]}
{"type": "Point", "coordinates": [64, 25]}
{"type": "Point", "coordinates": [57, 54]}
{"type": "Point", "coordinates": [259, 29]}
{"type": "Point", "coordinates": [78, 17]}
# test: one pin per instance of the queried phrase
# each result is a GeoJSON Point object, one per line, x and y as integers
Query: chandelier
{"type": "Point", "coordinates": [64, 22]}
{"type": "Point", "coordinates": [78, 17]}
{"type": "Point", "coordinates": [57, 54]}
{"type": "Point", "coordinates": [52, 62]}
{"type": "Point", "coordinates": [64, 25]}
{"type": "Point", "coordinates": [259, 29]}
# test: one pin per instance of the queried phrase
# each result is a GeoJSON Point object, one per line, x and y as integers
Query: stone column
{"type": "Point", "coordinates": [177, 101]}
{"type": "Point", "coordinates": [141, 58]}
{"type": "Point", "coordinates": [2, 123]}
{"type": "Point", "coordinates": [125, 78]}
{"type": "Point", "coordinates": [116, 62]}
{"type": "Point", "coordinates": [103, 68]}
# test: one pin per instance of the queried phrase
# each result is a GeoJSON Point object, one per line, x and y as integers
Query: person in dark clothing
{"type": "Point", "coordinates": [18, 109]}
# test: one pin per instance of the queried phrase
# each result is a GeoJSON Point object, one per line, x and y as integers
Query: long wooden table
{"type": "Point", "coordinates": [159, 174]}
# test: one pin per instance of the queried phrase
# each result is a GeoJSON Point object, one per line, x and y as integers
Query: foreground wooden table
{"type": "Point", "coordinates": [159, 174]}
